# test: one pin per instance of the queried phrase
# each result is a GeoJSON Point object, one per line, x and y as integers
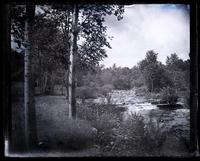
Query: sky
{"type": "Point", "coordinates": [163, 28]}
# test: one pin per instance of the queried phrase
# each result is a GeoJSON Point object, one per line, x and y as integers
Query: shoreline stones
{"type": "Point", "coordinates": [174, 120]}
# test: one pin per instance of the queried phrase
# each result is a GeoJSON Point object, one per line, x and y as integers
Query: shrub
{"type": "Point", "coordinates": [142, 91]}
{"type": "Point", "coordinates": [115, 136]}
{"type": "Point", "coordinates": [121, 84]}
{"type": "Point", "coordinates": [105, 89]}
{"type": "Point", "coordinates": [86, 93]}
{"type": "Point", "coordinates": [129, 136]}
{"type": "Point", "coordinates": [154, 137]}
{"type": "Point", "coordinates": [152, 95]}
{"type": "Point", "coordinates": [105, 118]}
{"type": "Point", "coordinates": [169, 95]}
{"type": "Point", "coordinates": [137, 82]}
{"type": "Point", "coordinates": [186, 97]}
{"type": "Point", "coordinates": [105, 125]}
{"type": "Point", "coordinates": [108, 87]}
{"type": "Point", "coordinates": [136, 138]}
{"type": "Point", "coordinates": [87, 111]}
{"type": "Point", "coordinates": [91, 111]}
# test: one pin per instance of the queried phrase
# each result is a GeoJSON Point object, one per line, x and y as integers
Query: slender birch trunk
{"type": "Point", "coordinates": [72, 58]}
{"type": "Point", "coordinates": [29, 104]}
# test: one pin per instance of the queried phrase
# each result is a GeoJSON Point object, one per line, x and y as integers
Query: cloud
{"type": "Point", "coordinates": [162, 28]}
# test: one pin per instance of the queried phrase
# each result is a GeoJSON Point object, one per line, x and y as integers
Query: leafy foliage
{"type": "Point", "coordinates": [85, 92]}
{"type": "Point", "coordinates": [130, 137]}
{"type": "Point", "coordinates": [104, 118]}
{"type": "Point", "coordinates": [137, 138]}
{"type": "Point", "coordinates": [17, 23]}
{"type": "Point", "coordinates": [153, 72]}
{"type": "Point", "coordinates": [179, 71]}
{"type": "Point", "coordinates": [169, 95]}
{"type": "Point", "coordinates": [51, 34]}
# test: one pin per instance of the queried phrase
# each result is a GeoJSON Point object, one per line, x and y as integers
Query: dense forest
{"type": "Point", "coordinates": [149, 76]}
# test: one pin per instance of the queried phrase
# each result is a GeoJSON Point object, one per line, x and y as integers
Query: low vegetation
{"type": "Point", "coordinates": [169, 95]}
{"type": "Point", "coordinates": [75, 135]}
{"type": "Point", "coordinates": [98, 127]}
{"type": "Point", "coordinates": [115, 136]}
{"type": "Point", "coordinates": [137, 138]}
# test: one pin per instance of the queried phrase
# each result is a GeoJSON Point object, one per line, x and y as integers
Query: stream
{"type": "Point", "coordinates": [175, 121]}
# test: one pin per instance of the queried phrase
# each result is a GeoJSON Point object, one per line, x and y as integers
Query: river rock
{"type": "Point", "coordinates": [176, 120]}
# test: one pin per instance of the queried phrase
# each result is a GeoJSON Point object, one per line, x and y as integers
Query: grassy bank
{"type": "Point", "coordinates": [99, 130]}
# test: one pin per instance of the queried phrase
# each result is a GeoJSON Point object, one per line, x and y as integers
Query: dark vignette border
{"type": "Point", "coordinates": [6, 81]}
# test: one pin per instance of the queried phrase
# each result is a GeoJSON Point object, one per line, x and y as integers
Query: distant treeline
{"type": "Point", "coordinates": [149, 75]}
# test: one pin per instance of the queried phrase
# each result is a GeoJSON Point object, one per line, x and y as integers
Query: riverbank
{"type": "Point", "coordinates": [112, 131]}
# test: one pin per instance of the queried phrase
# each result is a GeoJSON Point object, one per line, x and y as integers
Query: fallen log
{"type": "Point", "coordinates": [169, 106]}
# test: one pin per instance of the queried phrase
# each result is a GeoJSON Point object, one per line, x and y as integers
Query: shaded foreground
{"type": "Point", "coordinates": [99, 131]}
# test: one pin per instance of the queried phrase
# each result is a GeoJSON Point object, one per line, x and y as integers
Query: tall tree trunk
{"type": "Point", "coordinates": [29, 104]}
{"type": "Point", "coordinates": [72, 58]}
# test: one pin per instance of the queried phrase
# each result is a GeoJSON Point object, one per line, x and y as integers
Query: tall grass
{"type": "Point", "coordinates": [74, 135]}
{"type": "Point", "coordinates": [104, 118]}
{"type": "Point", "coordinates": [115, 136]}
{"type": "Point", "coordinates": [137, 138]}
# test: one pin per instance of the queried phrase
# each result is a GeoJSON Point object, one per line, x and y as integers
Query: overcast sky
{"type": "Point", "coordinates": [162, 28]}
